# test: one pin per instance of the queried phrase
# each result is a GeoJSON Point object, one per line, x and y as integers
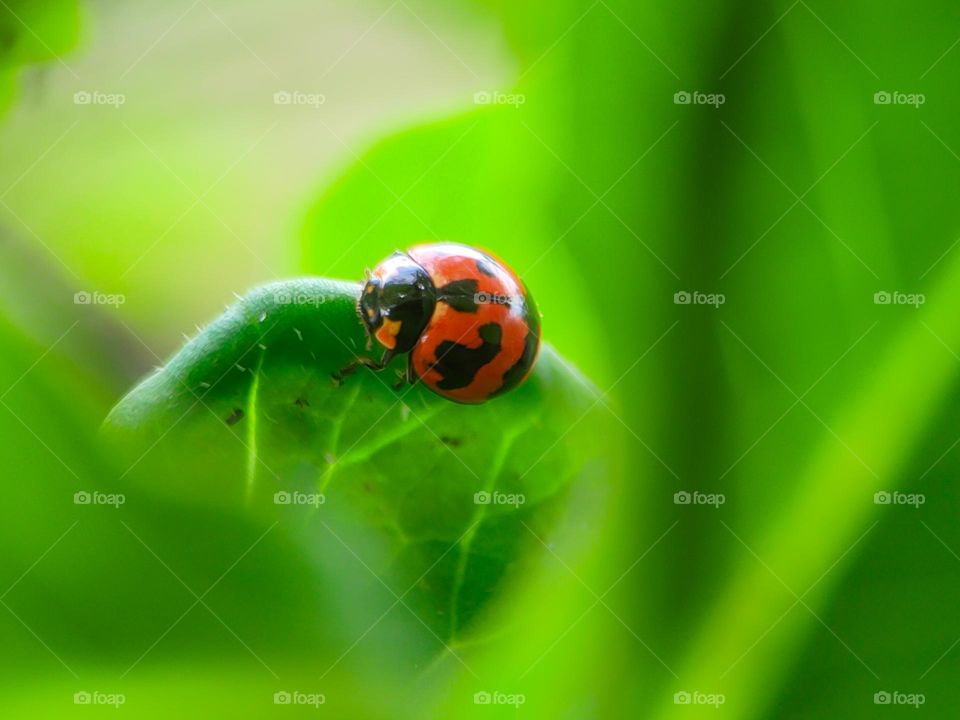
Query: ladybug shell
{"type": "Point", "coordinates": [484, 335]}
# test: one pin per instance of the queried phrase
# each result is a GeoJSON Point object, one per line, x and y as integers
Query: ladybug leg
{"type": "Point", "coordinates": [375, 365]}
{"type": "Point", "coordinates": [411, 373]}
{"type": "Point", "coordinates": [407, 376]}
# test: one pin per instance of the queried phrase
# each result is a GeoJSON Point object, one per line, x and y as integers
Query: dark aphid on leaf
{"type": "Point", "coordinates": [467, 323]}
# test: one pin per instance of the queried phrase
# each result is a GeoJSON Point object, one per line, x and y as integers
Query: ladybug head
{"type": "Point", "coordinates": [397, 302]}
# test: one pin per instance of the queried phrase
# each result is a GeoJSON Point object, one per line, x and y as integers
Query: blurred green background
{"type": "Point", "coordinates": [789, 168]}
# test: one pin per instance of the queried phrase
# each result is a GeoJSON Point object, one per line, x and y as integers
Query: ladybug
{"type": "Point", "coordinates": [467, 323]}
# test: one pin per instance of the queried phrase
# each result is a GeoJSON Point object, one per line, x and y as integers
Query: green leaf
{"type": "Point", "coordinates": [248, 409]}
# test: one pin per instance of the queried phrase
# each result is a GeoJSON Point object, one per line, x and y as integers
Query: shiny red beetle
{"type": "Point", "coordinates": [468, 324]}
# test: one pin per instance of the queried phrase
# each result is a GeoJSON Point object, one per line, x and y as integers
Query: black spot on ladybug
{"type": "Point", "coordinates": [518, 371]}
{"type": "Point", "coordinates": [461, 295]}
{"type": "Point", "coordinates": [486, 268]}
{"type": "Point", "coordinates": [451, 441]}
{"type": "Point", "coordinates": [235, 417]}
{"type": "Point", "coordinates": [459, 364]}
{"type": "Point", "coordinates": [301, 402]}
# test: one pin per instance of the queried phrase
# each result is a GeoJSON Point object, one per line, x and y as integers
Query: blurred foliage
{"type": "Point", "coordinates": [32, 32]}
{"type": "Point", "coordinates": [799, 398]}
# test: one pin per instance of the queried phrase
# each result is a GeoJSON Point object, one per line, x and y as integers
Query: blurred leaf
{"type": "Point", "coordinates": [835, 494]}
{"type": "Point", "coordinates": [30, 32]}
{"type": "Point", "coordinates": [93, 588]}
{"type": "Point", "coordinates": [248, 409]}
